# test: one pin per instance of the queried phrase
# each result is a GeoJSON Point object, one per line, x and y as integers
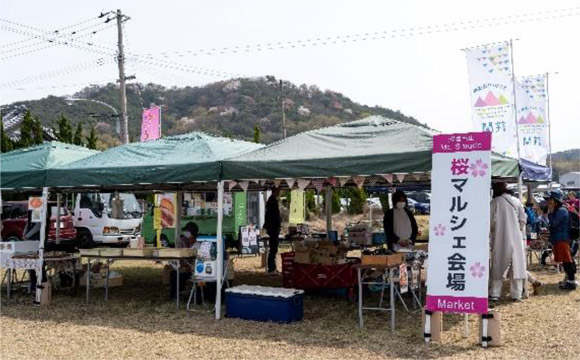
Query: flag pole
{"type": "Point", "coordinates": [520, 185]}
{"type": "Point", "coordinates": [549, 130]}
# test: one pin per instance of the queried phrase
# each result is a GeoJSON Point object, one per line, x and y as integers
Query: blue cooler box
{"type": "Point", "coordinates": [262, 303]}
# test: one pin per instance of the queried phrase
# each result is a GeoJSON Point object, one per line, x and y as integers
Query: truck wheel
{"type": "Point", "coordinates": [11, 238]}
{"type": "Point", "coordinates": [85, 239]}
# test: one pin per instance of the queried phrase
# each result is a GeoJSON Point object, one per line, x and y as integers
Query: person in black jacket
{"type": "Point", "coordinates": [400, 224]}
{"type": "Point", "coordinates": [272, 225]}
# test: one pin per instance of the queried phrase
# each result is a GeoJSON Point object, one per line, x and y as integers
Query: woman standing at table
{"type": "Point", "coordinates": [400, 224]}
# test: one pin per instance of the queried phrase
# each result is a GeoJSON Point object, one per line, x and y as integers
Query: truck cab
{"type": "Point", "coordinates": [107, 219]}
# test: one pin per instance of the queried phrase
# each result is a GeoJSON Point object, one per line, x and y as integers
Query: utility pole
{"type": "Point", "coordinates": [283, 111]}
{"type": "Point", "coordinates": [122, 80]}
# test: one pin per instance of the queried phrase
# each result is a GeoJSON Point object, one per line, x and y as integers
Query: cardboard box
{"type": "Point", "coordinates": [436, 325]}
{"type": "Point", "coordinates": [383, 260]}
{"type": "Point", "coordinates": [302, 257]}
{"type": "Point", "coordinates": [493, 329]}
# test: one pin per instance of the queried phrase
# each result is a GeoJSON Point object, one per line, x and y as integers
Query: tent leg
{"type": "Point", "coordinates": [58, 206]}
{"type": "Point", "coordinates": [41, 245]}
{"type": "Point", "coordinates": [328, 203]}
{"type": "Point", "coordinates": [220, 251]}
{"type": "Point", "coordinates": [179, 202]}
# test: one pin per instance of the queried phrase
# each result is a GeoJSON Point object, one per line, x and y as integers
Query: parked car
{"type": "Point", "coordinates": [419, 207]}
{"type": "Point", "coordinates": [15, 216]}
{"type": "Point", "coordinates": [420, 196]}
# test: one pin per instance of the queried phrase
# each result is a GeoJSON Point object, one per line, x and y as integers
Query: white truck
{"type": "Point", "coordinates": [107, 219]}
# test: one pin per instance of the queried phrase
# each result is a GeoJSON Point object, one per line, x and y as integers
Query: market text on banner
{"type": "Point", "coordinates": [457, 279]}
{"type": "Point", "coordinates": [491, 91]}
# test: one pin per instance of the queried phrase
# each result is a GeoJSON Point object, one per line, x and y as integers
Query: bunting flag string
{"type": "Point", "coordinates": [343, 180]}
{"type": "Point", "coordinates": [290, 182]}
{"type": "Point", "coordinates": [332, 181]}
{"type": "Point", "coordinates": [318, 184]}
{"type": "Point", "coordinates": [231, 185]}
{"type": "Point", "coordinates": [303, 183]}
{"type": "Point", "coordinates": [277, 182]}
{"type": "Point", "coordinates": [400, 177]}
{"type": "Point", "coordinates": [244, 185]}
{"type": "Point", "coordinates": [388, 177]}
{"type": "Point", "coordinates": [359, 181]}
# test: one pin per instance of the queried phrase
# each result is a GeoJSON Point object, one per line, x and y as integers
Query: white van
{"type": "Point", "coordinates": [107, 219]}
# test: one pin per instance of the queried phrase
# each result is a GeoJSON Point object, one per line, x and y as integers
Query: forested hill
{"type": "Point", "coordinates": [565, 161]}
{"type": "Point", "coordinates": [230, 108]}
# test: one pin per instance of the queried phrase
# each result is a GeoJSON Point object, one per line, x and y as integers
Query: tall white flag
{"type": "Point", "coordinates": [490, 82]}
{"type": "Point", "coordinates": [533, 119]}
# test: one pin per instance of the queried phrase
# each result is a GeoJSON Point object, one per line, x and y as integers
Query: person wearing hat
{"type": "Point", "coordinates": [188, 235]}
{"type": "Point", "coordinates": [560, 238]}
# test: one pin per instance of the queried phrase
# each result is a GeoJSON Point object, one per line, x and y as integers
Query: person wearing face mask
{"type": "Point", "coordinates": [400, 224]}
{"type": "Point", "coordinates": [187, 239]}
{"type": "Point", "coordinates": [189, 235]}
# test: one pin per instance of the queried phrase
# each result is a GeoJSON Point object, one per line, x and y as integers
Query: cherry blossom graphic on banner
{"type": "Point", "coordinates": [457, 276]}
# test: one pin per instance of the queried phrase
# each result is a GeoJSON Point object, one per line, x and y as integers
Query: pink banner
{"type": "Point", "coordinates": [448, 143]}
{"type": "Point", "coordinates": [150, 127]}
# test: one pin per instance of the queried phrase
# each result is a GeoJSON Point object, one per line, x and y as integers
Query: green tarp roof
{"type": "Point", "coordinates": [27, 168]}
{"type": "Point", "coordinates": [187, 158]}
{"type": "Point", "coordinates": [374, 145]}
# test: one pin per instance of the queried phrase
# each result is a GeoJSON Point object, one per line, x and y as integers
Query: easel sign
{"type": "Point", "coordinates": [457, 277]}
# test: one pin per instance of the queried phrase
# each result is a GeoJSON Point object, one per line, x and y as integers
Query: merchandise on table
{"type": "Point", "coordinates": [319, 252]}
{"type": "Point", "coordinates": [265, 303]}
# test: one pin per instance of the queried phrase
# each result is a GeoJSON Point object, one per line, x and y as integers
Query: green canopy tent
{"type": "Point", "coordinates": [28, 168]}
{"type": "Point", "coordinates": [181, 159]}
{"type": "Point", "coordinates": [371, 146]}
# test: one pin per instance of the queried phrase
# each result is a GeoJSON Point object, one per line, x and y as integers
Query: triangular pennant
{"type": "Point", "coordinates": [302, 183]}
{"type": "Point", "coordinates": [373, 180]}
{"type": "Point", "coordinates": [277, 182]}
{"type": "Point", "coordinates": [359, 181]}
{"type": "Point", "coordinates": [290, 182]}
{"type": "Point", "coordinates": [244, 185]}
{"type": "Point", "coordinates": [262, 182]}
{"type": "Point", "coordinates": [400, 177]}
{"type": "Point", "coordinates": [343, 180]}
{"type": "Point", "coordinates": [332, 181]}
{"type": "Point", "coordinates": [318, 184]}
{"type": "Point", "coordinates": [231, 185]}
{"type": "Point", "coordinates": [388, 177]}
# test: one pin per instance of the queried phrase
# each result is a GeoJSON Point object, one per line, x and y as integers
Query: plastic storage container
{"type": "Point", "coordinates": [265, 303]}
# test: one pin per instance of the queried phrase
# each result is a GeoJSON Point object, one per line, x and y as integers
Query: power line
{"type": "Point", "coordinates": [378, 35]}
{"type": "Point", "coordinates": [43, 31]}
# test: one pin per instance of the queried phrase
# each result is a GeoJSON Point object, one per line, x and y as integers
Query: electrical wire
{"type": "Point", "coordinates": [372, 36]}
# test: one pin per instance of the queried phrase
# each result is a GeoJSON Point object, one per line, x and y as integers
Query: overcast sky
{"type": "Point", "coordinates": [422, 74]}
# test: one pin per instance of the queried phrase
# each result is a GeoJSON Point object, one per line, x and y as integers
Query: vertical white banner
{"type": "Point", "coordinates": [490, 82]}
{"type": "Point", "coordinates": [532, 117]}
{"type": "Point", "coordinates": [458, 272]}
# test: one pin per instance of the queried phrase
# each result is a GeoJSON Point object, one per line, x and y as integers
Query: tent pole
{"type": "Point", "coordinates": [58, 206]}
{"type": "Point", "coordinates": [328, 202]}
{"type": "Point", "coordinates": [220, 251]}
{"type": "Point", "coordinates": [179, 201]}
{"type": "Point", "coordinates": [42, 241]}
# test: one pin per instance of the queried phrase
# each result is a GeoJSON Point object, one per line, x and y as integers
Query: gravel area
{"type": "Point", "coordinates": [139, 322]}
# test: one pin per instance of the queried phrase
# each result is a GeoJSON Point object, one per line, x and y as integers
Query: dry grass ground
{"type": "Point", "coordinates": [139, 322]}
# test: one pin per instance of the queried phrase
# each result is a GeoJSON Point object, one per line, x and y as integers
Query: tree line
{"type": "Point", "coordinates": [31, 133]}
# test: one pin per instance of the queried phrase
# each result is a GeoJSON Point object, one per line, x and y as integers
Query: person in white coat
{"type": "Point", "coordinates": [508, 217]}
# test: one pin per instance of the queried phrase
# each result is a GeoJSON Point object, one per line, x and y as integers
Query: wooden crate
{"type": "Point", "coordinates": [383, 260]}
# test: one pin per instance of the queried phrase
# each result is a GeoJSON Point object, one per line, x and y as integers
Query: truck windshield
{"type": "Point", "coordinates": [131, 207]}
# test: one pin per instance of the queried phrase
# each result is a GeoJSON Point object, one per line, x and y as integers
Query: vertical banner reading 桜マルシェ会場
{"type": "Point", "coordinates": [458, 271]}
{"type": "Point", "coordinates": [491, 90]}
{"type": "Point", "coordinates": [150, 127]}
{"type": "Point", "coordinates": [533, 122]}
